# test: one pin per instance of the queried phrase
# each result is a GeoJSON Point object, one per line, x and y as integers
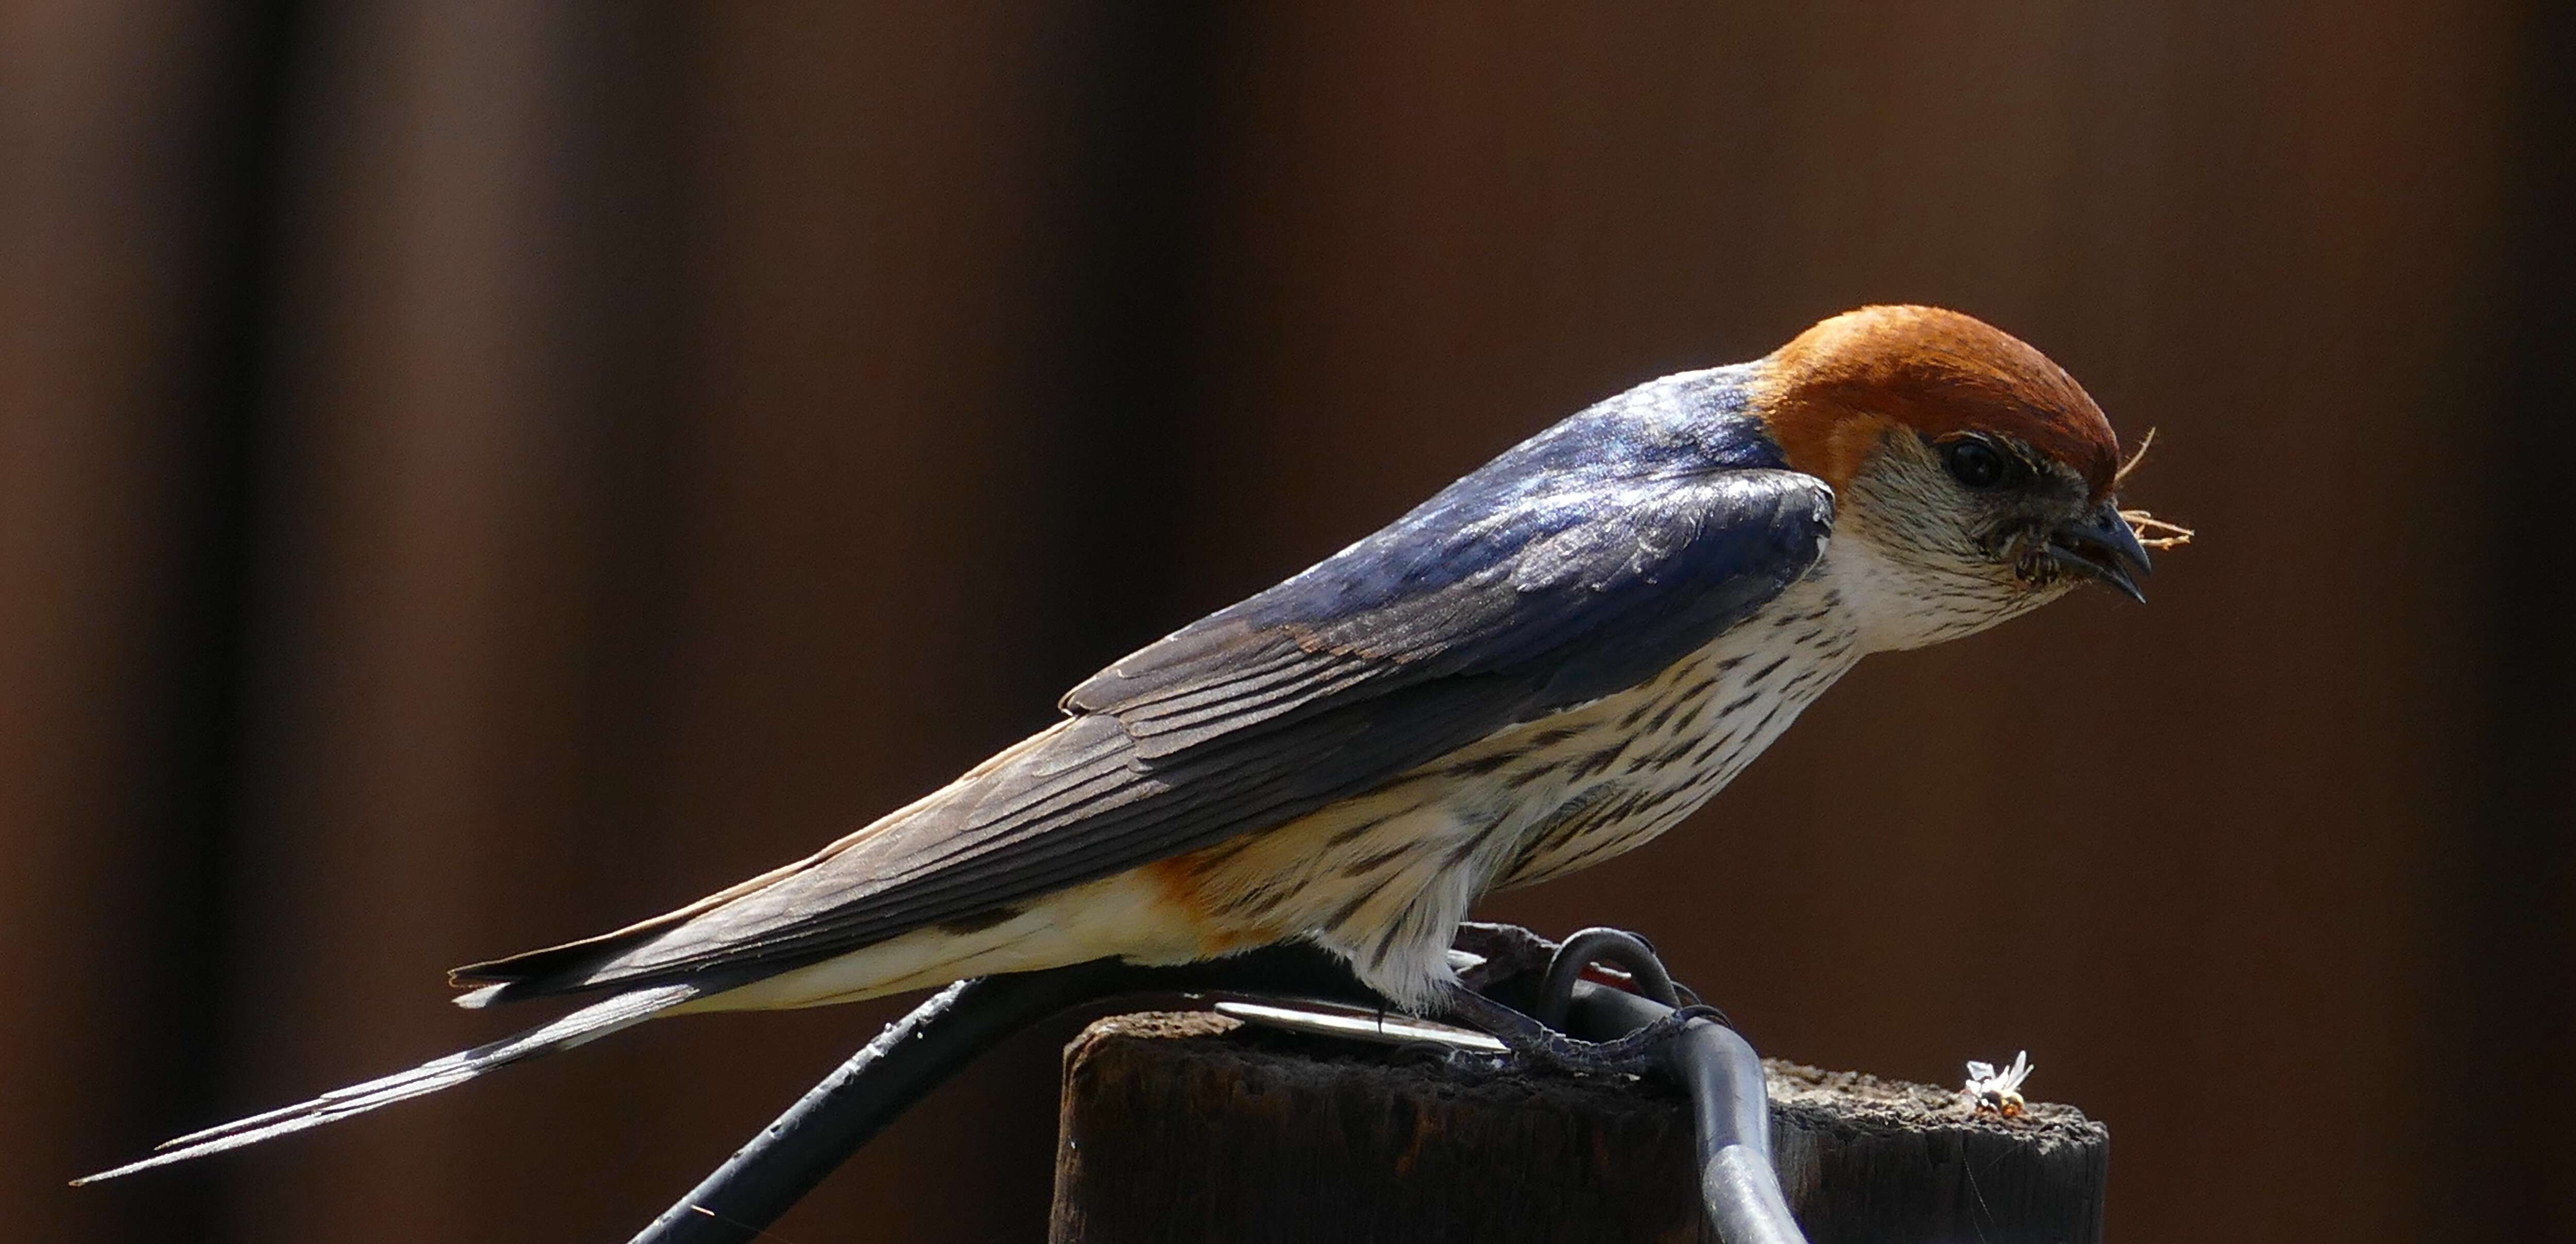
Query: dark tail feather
{"type": "Point", "coordinates": [544, 973]}
{"type": "Point", "coordinates": [589, 1023]}
{"type": "Point", "coordinates": [568, 968]}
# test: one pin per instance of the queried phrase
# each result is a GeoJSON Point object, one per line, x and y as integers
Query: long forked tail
{"type": "Point", "coordinates": [587, 1024]}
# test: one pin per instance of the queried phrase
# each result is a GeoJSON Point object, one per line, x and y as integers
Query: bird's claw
{"type": "Point", "coordinates": [1504, 952]}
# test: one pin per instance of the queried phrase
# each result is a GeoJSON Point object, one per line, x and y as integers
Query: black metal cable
{"type": "Point", "coordinates": [1617, 947]}
{"type": "Point", "coordinates": [1730, 1111]}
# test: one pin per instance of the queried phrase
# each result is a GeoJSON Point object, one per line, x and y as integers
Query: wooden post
{"type": "Point", "coordinates": [1190, 1128]}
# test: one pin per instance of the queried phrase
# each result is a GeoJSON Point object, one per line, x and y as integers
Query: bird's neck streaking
{"type": "Point", "coordinates": [1905, 590]}
{"type": "Point", "coordinates": [1679, 738]}
{"type": "Point", "coordinates": [1633, 765]}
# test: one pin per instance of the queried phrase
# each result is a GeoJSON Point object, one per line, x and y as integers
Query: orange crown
{"type": "Point", "coordinates": [1835, 391]}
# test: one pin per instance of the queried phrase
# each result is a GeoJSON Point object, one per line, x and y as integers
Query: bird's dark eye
{"type": "Point", "coordinates": [1976, 464]}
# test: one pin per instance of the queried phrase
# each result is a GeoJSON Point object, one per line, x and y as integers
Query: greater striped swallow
{"type": "Point", "coordinates": [1552, 661]}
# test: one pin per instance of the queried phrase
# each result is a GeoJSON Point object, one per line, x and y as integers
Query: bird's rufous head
{"type": "Point", "coordinates": [1962, 458]}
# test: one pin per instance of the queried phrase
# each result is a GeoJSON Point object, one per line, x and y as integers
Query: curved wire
{"type": "Point", "coordinates": [1617, 947]}
{"type": "Point", "coordinates": [1730, 1110]}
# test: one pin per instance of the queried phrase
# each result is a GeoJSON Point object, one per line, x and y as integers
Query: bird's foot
{"type": "Point", "coordinates": [1535, 1039]}
{"type": "Point", "coordinates": [1536, 1047]}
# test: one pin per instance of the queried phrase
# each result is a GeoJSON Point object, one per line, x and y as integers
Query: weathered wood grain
{"type": "Point", "coordinates": [1186, 1127]}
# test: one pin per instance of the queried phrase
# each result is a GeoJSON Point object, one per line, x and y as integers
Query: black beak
{"type": "Point", "coordinates": [2101, 546]}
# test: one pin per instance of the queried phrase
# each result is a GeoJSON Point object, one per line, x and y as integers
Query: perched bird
{"type": "Point", "coordinates": [1551, 662]}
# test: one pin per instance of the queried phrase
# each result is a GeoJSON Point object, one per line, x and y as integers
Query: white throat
{"type": "Point", "coordinates": [1901, 602]}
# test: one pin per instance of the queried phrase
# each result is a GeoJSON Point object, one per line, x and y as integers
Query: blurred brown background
{"type": "Point", "coordinates": [476, 473]}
